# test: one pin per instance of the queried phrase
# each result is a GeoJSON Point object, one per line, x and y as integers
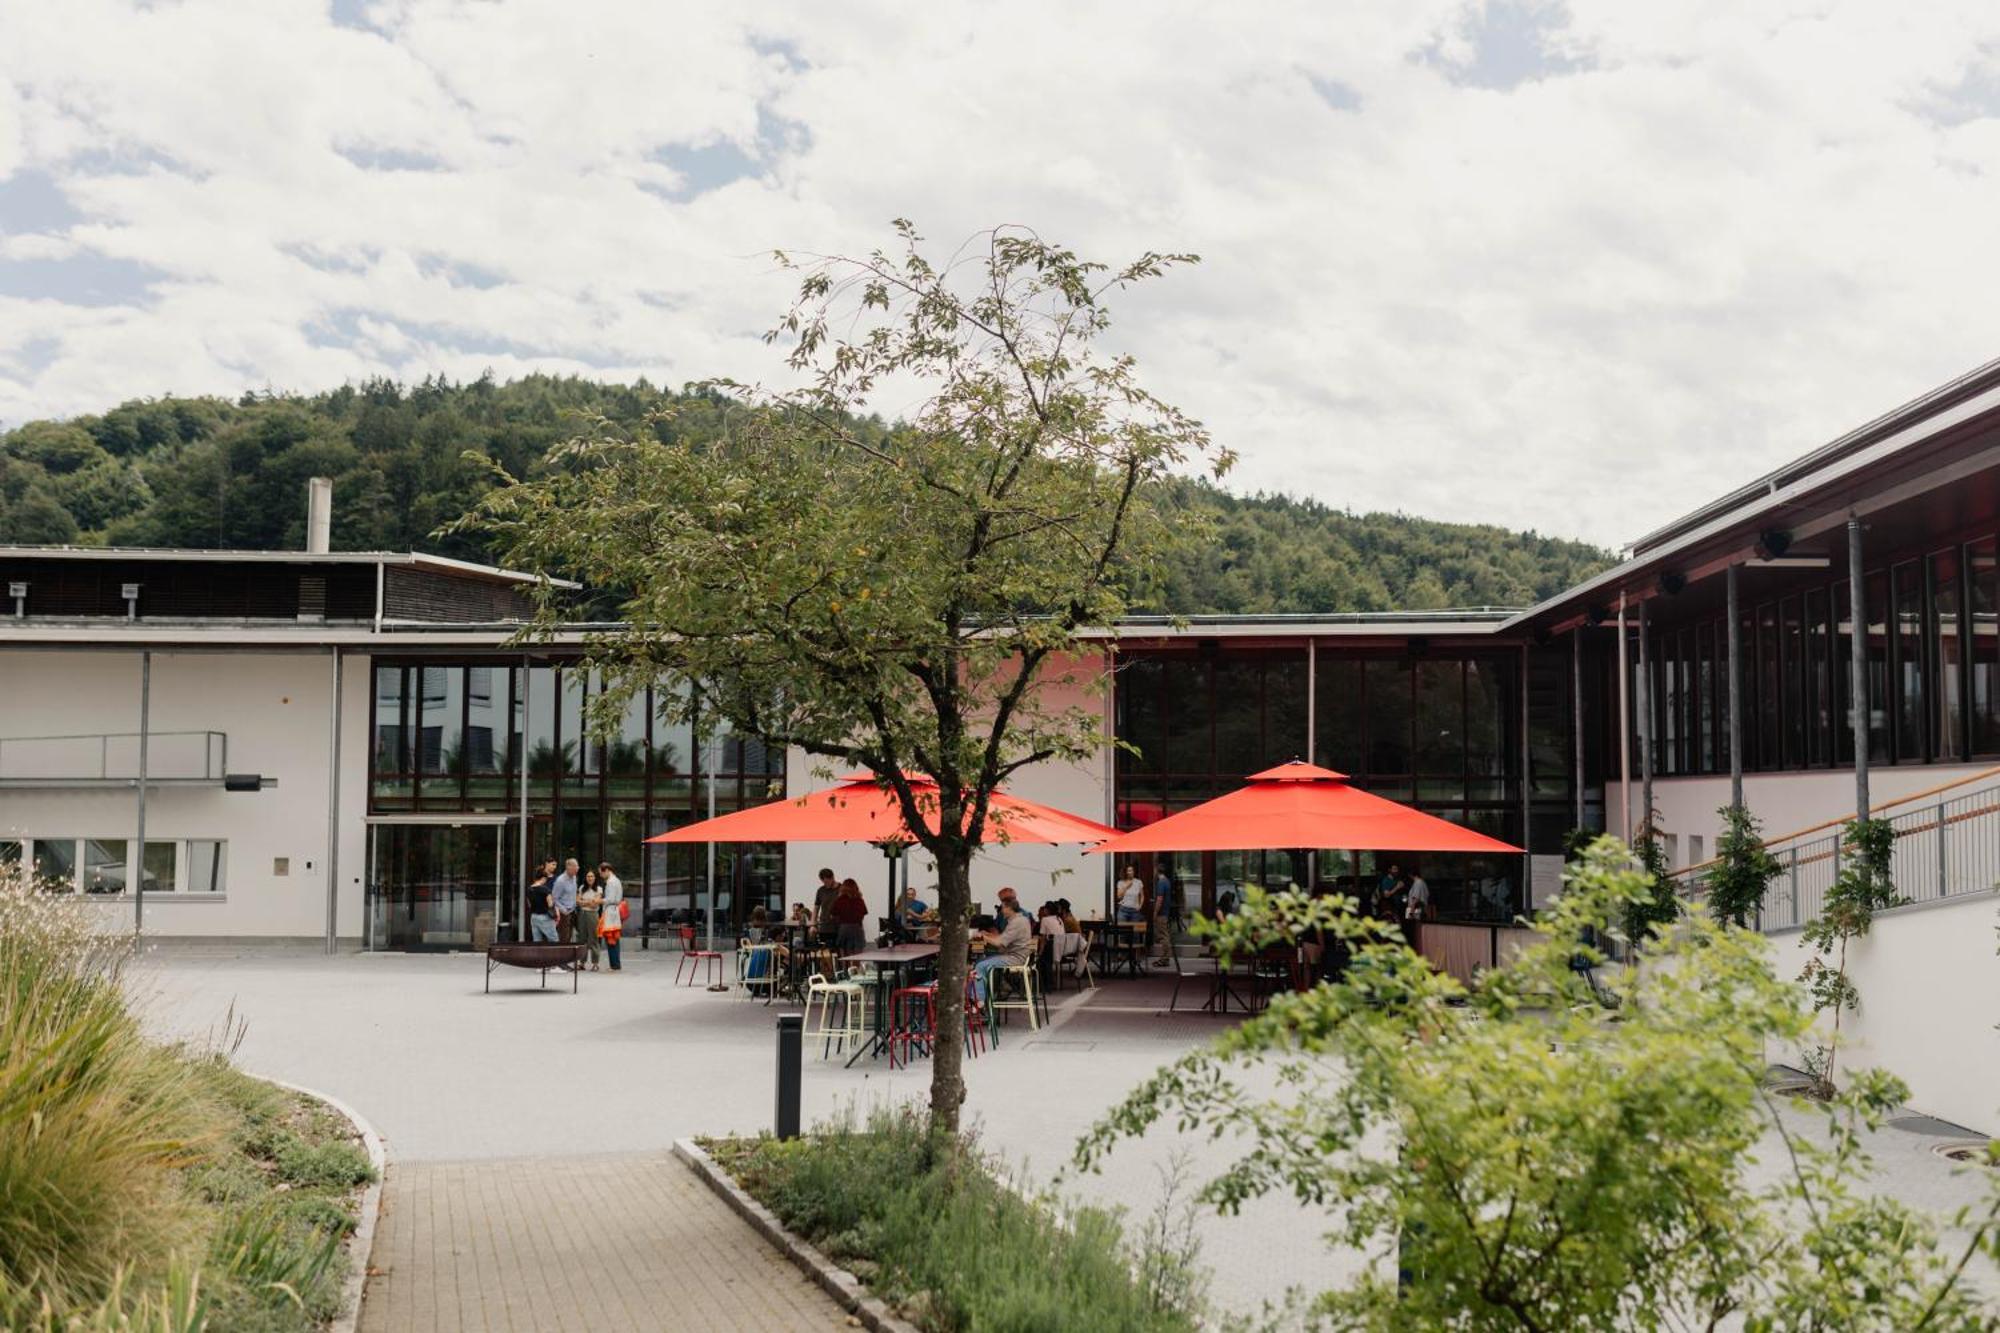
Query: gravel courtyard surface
{"type": "Point", "coordinates": [450, 1075]}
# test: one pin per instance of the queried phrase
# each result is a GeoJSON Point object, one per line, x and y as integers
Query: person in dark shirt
{"type": "Point", "coordinates": [849, 911]}
{"type": "Point", "coordinates": [541, 911]}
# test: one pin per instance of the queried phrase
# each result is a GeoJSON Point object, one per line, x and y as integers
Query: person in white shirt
{"type": "Point", "coordinates": [1417, 905]}
{"type": "Point", "coordinates": [611, 914]}
{"type": "Point", "coordinates": [1051, 922]}
{"type": "Point", "coordinates": [1131, 895]}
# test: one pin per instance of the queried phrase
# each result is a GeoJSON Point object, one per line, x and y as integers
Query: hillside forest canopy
{"type": "Point", "coordinates": [405, 460]}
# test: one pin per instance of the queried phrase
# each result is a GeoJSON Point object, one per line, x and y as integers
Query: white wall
{"type": "Point", "coordinates": [1930, 996]}
{"type": "Point", "coordinates": [1036, 872]}
{"type": "Point", "coordinates": [274, 708]}
{"type": "Point", "coordinates": [1782, 802]}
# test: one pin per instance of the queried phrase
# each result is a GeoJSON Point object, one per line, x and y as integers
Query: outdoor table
{"type": "Point", "coordinates": [798, 948]}
{"type": "Point", "coordinates": [1220, 992]}
{"type": "Point", "coordinates": [1116, 942]}
{"type": "Point", "coordinates": [894, 959]}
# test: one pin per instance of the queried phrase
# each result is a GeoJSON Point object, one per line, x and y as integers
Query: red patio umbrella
{"type": "Point", "coordinates": [862, 810]}
{"type": "Point", "coordinates": [1300, 805]}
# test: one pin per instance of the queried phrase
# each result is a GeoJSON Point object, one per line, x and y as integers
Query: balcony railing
{"type": "Point", "coordinates": [1947, 845]}
{"type": "Point", "coordinates": [109, 758]}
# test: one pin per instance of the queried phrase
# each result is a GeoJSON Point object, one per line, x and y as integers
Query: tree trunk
{"type": "Point", "coordinates": [954, 865]}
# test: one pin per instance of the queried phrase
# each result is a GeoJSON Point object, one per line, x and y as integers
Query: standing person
{"type": "Point", "coordinates": [563, 892]}
{"type": "Point", "coordinates": [589, 897]}
{"type": "Point", "coordinates": [829, 889]}
{"type": "Point", "coordinates": [1163, 889]}
{"type": "Point", "coordinates": [612, 914]}
{"type": "Point", "coordinates": [1389, 894]}
{"type": "Point", "coordinates": [541, 912]}
{"type": "Point", "coordinates": [1131, 894]}
{"type": "Point", "coordinates": [1161, 926]}
{"type": "Point", "coordinates": [1416, 907]}
{"type": "Point", "coordinates": [850, 917]}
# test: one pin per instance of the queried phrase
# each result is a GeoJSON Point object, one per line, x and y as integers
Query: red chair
{"type": "Point", "coordinates": [912, 1021]}
{"type": "Point", "coordinates": [691, 961]}
{"type": "Point", "coordinates": [685, 934]}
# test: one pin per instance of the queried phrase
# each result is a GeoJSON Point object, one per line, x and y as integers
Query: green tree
{"type": "Point", "coordinates": [1743, 868]}
{"type": "Point", "coordinates": [37, 520]}
{"type": "Point", "coordinates": [1861, 889]}
{"type": "Point", "coordinates": [1661, 903]}
{"type": "Point", "coordinates": [1525, 1158]}
{"type": "Point", "coordinates": [894, 598]}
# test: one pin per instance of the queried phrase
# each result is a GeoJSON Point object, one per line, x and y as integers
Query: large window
{"type": "Point", "coordinates": [1440, 730]}
{"type": "Point", "coordinates": [454, 737]}
{"type": "Point", "coordinates": [1932, 631]}
{"type": "Point", "coordinates": [102, 866]}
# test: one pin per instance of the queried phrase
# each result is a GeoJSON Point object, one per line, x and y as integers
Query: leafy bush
{"type": "Point", "coordinates": [930, 1228]}
{"type": "Point", "coordinates": [339, 1164]}
{"type": "Point", "coordinates": [1743, 868]}
{"type": "Point", "coordinates": [1517, 1155]}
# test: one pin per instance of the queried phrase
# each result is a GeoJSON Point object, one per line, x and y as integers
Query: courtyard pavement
{"type": "Point", "coordinates": [528, 1129]}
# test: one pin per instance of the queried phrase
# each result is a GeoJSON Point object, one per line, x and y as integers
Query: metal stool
{"type": "Point", "coordinates": [853, 1012]}
{"type": "Point", "coordinates": [1031, 999]}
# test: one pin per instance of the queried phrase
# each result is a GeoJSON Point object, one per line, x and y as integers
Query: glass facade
{"type": "Point", "coordinates": [1438, 730]}
{"type": "Point", "coordinates": [1933, 677]}
{"type": "Point", "coordinates": [455, 737]}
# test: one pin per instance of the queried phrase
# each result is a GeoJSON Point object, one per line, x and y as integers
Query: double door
{"type": "Point", "coordinates": [434, 885]}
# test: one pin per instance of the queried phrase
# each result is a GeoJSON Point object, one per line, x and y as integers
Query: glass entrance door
{"type": "Point", "coordinates": [433, 886]}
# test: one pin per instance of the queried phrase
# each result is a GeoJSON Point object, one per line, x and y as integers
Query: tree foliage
{"type": "Point", "coordinates": [1743, 868]}
{"type": "Point", "coordinates": [1525, 1156]}
{"type": "Point", "coordinates": [1861, 889]}
{"type": "Point", "coordinates": [896, 598]}
{"type": "Point", "coordinates": [206, 472]}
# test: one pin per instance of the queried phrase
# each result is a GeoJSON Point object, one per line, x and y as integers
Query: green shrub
{"type": "Point", "coordinates": [931, 1229]}
{"type": "Point", "coordinates": [336, 1163]}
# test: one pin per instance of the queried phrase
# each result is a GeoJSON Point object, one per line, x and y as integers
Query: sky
{"type": "Point", "coordinates": [1576, 267]}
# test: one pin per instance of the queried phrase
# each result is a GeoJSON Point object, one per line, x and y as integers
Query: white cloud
{"type": "Point", "coordinates": [1574, 267]}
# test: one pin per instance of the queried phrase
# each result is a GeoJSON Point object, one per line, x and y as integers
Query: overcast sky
{"type": "Point", "coordinates": [1576, 267]}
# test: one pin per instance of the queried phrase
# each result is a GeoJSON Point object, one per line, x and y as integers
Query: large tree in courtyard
{"type": "Point", "coordinates": [897, 597]}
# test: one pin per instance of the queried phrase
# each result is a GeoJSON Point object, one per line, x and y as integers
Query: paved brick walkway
{"type": "Point", "coordinates": [548, 1243]}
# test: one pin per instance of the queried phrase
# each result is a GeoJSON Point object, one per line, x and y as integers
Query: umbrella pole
{"type": "Point", "coordinates": [709, 754]}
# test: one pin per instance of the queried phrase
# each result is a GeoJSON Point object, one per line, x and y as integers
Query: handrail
{"type": "Point", "coordinates": [1873, 810]}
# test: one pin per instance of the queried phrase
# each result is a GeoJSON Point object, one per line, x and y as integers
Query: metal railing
{"type": "Point", "coordinates": [171, 756]}
{"type": "Point", "coordinates": [1947, 844]}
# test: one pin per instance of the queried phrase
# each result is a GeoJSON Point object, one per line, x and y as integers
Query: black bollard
{"type": "Point", "coordinates": [791, 1046]}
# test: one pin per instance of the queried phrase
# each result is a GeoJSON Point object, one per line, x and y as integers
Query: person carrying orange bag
{"type": "Point", "coordinates": [612, 916]}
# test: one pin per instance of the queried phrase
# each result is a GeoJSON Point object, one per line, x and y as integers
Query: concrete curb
{"type": "Point", "coordinates": [846, 1289]}
{"type": "Point", "coordinates": [361, 1242]}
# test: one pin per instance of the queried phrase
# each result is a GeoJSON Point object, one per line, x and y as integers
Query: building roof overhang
{"type": "Point", "coordinates": [439, 564]}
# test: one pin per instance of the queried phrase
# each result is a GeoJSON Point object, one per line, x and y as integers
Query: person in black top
{"type": "Point", "coordinates": [541, 912]}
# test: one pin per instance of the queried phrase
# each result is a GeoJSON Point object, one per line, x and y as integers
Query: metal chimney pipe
{"type": "Point", "coordinates": [319, 515]}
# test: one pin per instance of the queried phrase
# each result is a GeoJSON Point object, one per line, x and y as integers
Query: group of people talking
{"type": "Point", "coordinates": [577, 906]}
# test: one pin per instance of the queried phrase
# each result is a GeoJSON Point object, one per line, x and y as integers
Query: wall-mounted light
{"type": "Point", "coordinates": [130, 591]}
{"type": "Point", "coordinates": [19, 592]}
{"type": "Point", "coordinates": [246, 782]}
{"type": "Point", "coordinates": [1673, 583]}
{"type": "Point", "coordinates": [1597, 614]}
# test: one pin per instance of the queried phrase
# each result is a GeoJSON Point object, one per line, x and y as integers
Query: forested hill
{"type": "Point", "coordinates": [207, 472]}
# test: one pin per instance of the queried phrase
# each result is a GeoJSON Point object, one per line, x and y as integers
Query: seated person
{"type": "Point", "coordinates": [1011, 945]}
{"type": "Point", "coordinates": [1070, 924]}
{"type": "Point", "coordinates": [912, 912]}
{"type": "Point", "coordinates": [1050, 922]}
